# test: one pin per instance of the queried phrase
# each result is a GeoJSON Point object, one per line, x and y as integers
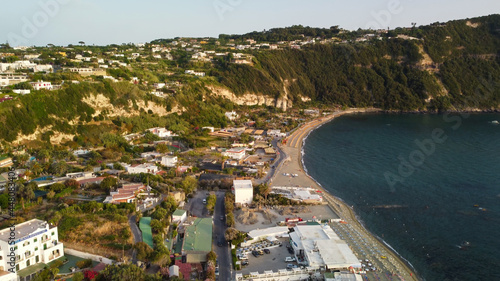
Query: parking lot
{"type": "Point", "coordinates": [274, 261]}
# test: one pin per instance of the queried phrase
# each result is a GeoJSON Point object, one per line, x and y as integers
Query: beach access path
{"type": "Point", "coordinates": [292, 164]}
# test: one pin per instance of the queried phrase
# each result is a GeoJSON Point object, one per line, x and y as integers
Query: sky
{"type": "Point", "coordinates": [102, 22]}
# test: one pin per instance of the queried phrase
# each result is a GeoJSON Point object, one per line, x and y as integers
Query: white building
{"type": "Point", "coordinates": [275, 133]}
{"type": "Point", "coordinates": [237, 153]}
{"type": "Point", "coordinates": [150, 155]}
{"type": "Point", "coordinates": [41, 85]}
{"type": "Point", "coordinates": [169, 161]}
{"type": "Point", "coordinates": [179, 216]}
{"type": "Point", "coordinates": [21, 92]}
{"type": "Point", "coordinates": [35, 242]}
{"type": "Point", "coordinates": [318, 246]}
{"type": "Point", "coordinates": [231, 115]}
{"type": "Point", "coordinates": [147, 168]}
{"type": "Point", "coordinates": [11, 79]}
{"type": "Point", "coordinates": [159, 85]}
{"type": "Point", "coordinates": [243, 191]}
{"type": "Point", "coordinates": [161, 132]}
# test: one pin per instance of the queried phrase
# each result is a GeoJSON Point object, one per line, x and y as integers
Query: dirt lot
{"type": "Point", "coordinates": [268, 217]}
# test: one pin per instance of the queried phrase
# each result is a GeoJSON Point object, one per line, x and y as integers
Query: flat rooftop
{"type": "Point", "coordinates": [24, 229]}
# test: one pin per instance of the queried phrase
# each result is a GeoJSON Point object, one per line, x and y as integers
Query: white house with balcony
{"type": "Point", "coordinates": [161, 132]}
{"type": "Point", "coordinates": [33, 243]}
{"type": "Point", "coordinates": [232, 115]}
{"type": "Point", "coordinates": [147, 168]}
{"type": "Point", "coordinates": [169, 161]}
{"type": "Point", "coordinates": [237, 153]}
{"type": "Point", "coordinates": [41, 85]}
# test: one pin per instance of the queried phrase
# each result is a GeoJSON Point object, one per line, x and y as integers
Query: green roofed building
{"type": "Point", "coordinates": [198, 240]}
{"type": "Point", "coordinates": [147, 235]}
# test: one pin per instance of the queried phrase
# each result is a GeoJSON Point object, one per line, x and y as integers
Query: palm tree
{"type": "Point", "coordinates": [81, 43]}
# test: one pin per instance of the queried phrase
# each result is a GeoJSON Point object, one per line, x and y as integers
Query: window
{"type": "Point", "coordinates": [35, 240]}
{"type": "Point", "coordinates": [17, 267]}
{"type": "Point", "coordinates": [52, 233]}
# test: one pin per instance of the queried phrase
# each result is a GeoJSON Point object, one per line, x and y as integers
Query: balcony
{"type": "Point", "coordinates": [29, 256]}
{"type": "Point", "coordinates": [51, 257]}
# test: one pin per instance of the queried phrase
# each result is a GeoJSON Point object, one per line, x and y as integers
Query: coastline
{"type": "Point", "coordinates": [294, 150]}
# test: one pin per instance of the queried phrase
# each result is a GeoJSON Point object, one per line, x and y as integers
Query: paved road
{"type": "Point", "coordinates": [223, 252]}
{"type": "Point", "coordinates": [280, 157]}
{"type": "Point", "coordinates": [137, 234]}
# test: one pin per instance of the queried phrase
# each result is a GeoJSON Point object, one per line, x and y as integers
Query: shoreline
{"type": "Point", "coordinates": [295, 143]}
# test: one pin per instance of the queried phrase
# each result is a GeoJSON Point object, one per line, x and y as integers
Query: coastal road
{"type": "Point", "coordinates": [280, 157]}
{"type": "Point", "coordinates": [222, 250]}
{"type": "Point", "coordinates": [363, 243]}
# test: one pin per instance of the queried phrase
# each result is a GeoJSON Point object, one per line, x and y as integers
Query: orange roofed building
{"type": "Point", "coordinates": [127, 193]}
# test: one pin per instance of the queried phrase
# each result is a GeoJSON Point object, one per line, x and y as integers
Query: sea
{"type": "Point", "coordinates": [427, 184]}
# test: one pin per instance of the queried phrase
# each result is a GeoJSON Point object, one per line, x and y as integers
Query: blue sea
{"type": "Point", "coordinates": [438, 174]}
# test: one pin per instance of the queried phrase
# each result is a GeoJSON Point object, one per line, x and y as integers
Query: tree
{"type": "Point", "coordinates": [57, 187]}
{"type": "Point", "coordinates": [212, 256]}
{"type": "Point", "coordinates": [108, 183]}
{"type": "Point", "coordinates": [123, 272]}
{"type": "Point", "coordinates": [51, 195]}
{"type": "Point", "coordinates": [46, 274]}
{"type": "Point", "coordinates": [26, 192]}
{"type": "Point", "coordinates": [231, 233]}
{"type": "Point", "coordinates": [60, 168]}
{"type": "Point", "coordinates": [189, 184]}
{"type": "Point", "coordinates": [264, 190]}
{"type": "Point", "coordinates": [78, 276]}
{"type": "Point", "coordinates": [143, 251]}
{"type": "Point", "coordinates": [162, 148]}
{"type": "Point", "coordinates": [157, 225]}
{"type": "Point", "coordinates": [159, 214]}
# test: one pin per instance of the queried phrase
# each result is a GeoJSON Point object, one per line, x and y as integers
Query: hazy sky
{"type": "Point", "coordinates": [63, 22]}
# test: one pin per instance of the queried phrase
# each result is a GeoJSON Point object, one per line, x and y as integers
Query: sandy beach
{"type": "Point", "coordinates": [293, 165]}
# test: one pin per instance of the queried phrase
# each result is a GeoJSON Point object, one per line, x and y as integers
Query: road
{"type": "Point", "coordinates": [137, 234]}
{"type": "Point", "coordinates": [280, 156]}
{"type": "Point", "coordinates": [223, 252]}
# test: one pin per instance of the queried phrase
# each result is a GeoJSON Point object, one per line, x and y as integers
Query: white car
{"type": "Point", "coordinates": [289, 259]}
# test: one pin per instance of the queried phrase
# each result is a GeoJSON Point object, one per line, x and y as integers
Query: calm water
{"type": "Point", "coordinates": [438, 188]}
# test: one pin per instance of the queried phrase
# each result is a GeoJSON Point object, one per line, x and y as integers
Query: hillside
{"type": "Point", "coordinates": [444, 66]}
{"type": "Point", "coordinates": [440, 67]}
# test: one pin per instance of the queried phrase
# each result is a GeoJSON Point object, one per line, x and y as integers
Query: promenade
{"type": "Point", "coordinates": [390, 266]}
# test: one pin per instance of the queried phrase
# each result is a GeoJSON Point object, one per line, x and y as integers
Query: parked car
{"type": "Point", "coordinates": [289, 259]}
{"type": "Point", "coordinates": [255, 254]}
{"type": "Point", "coordinates": [267, 251]}
{"type": "Point", "coordinates": [245, 262]}
{"type": "Point", "coordinates": [290, 266]}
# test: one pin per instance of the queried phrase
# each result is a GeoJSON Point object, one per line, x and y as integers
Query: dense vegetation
{"type": "Point", "coordinates": [384, 72]}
